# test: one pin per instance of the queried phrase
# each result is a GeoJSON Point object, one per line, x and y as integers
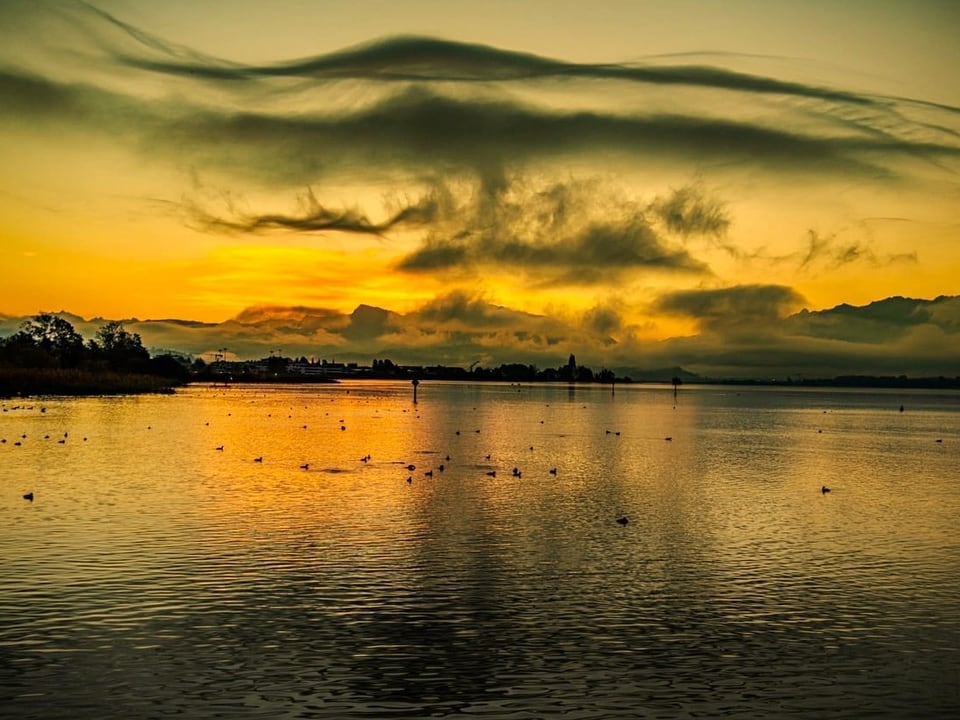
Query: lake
{"type": "Point", "coordinates": [335, 551]}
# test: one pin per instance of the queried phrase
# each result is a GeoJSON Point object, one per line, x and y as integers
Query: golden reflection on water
{"type": "Point", "coordinates": [469, 585]}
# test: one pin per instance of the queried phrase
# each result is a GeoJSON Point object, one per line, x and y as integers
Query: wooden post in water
{"type": "Point", "coordinates": [415, 383]}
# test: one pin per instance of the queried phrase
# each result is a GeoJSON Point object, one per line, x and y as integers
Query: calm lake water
{"type": "Point", "coordinates": [156, 574]}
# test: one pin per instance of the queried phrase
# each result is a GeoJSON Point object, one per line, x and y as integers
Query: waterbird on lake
{"type": "Point", "coordinates": [258, 459]}
{"type": "Point", "coordinates": [669, 438]}
{"type": "Point", "coordinates": [553, 471]}
{"type": "Point", "coordinates": [824, 489]}
{"type": "Point", "coordinates": [305, 466]}
{"type": "Point", "coordinates": [409, 479]}
{"type": "Point", "coordinates": [492, 473]}
{"type": "Point", "coordinates": [411, 467]}
{"type": "Point", "coordinates": [428, 473]}
{"type": "Point", "coordinates": [28, 496]}
{"type": "Point", "coordinates": [440, 468]}
{"type": "Point", "coordinates": [939, 440]}
{"type": "Point", "coordinates": [623, 520]}
{"type": "Point", "coordinates": [218, 447]}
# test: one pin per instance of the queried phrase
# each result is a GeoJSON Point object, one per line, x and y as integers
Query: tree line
{"type": "Point", "coordinates": [49, 342]}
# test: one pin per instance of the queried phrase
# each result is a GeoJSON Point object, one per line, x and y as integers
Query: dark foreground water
{"type": "Point", "coordinates": [155, 574]}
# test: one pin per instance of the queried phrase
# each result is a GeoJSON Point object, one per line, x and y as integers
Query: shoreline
{"type": "Point", "coordinates": [23, 382]}
{"type": "Point", "coordinates": [30, 382]}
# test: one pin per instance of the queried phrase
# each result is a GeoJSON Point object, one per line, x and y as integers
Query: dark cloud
{"type": "Point", "coordinates": [470, 311]}
{"type": "Point", "coordinates": [299, 316]}
{"type": "Point", "coordinates": [688, 211]}
{"type": "Point", "coordinates": [576, 232]}
{"type": "Point", "coordinates": [313, 217]}
{"type": "Point", "coordinates": [739, 305]}
{"type": "Point", "coordinates": [572, 232]}
{"type": "Point", "coordinates": [422, 130]}
{"type": "Point", "coordinates": [604, 319]}
{"type": "Point", "coordinates": [368, 323]}
{"type": "Point", "coordinates": [427, 59]}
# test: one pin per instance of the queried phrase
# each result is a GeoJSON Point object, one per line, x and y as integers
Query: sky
{"type": "Point", "coordinates": [735, 187]}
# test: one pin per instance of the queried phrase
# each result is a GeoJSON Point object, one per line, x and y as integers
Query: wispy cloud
{"type": "Point", "coordinates": [312, 218]}
{"type": "Point", "coordinates": [829, 252]}
{"type": "Point", "coordinates": [570, 232]}
{"type": "Point", "coordinates": [430, 105]}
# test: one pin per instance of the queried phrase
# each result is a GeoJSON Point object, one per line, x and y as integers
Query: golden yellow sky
{"type": "Point", "coordinates": [609, 165]}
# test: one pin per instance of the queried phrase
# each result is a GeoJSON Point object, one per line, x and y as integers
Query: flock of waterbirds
{"type": "Point", "coordinates": [259, 459]}
{"type": "Point", "coordinates": [410, 467]}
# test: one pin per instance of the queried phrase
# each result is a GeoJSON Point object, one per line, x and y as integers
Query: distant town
{"type": "Point", "coordinates": [278, 368]}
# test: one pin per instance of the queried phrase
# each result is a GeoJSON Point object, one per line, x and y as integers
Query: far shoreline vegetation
{"type": "Point", "coordinates": [47, 356]}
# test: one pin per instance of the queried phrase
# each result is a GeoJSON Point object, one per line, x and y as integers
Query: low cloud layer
{"type": "Point", "coordinates": [746, 332]}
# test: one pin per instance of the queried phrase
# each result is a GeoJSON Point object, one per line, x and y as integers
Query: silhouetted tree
{"type": "Point", "coordinates": [168, 366]}
{"type": "Point", "coordinates": [120, 350]}
{"type": "Point", "coordinates": [54, 337]}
